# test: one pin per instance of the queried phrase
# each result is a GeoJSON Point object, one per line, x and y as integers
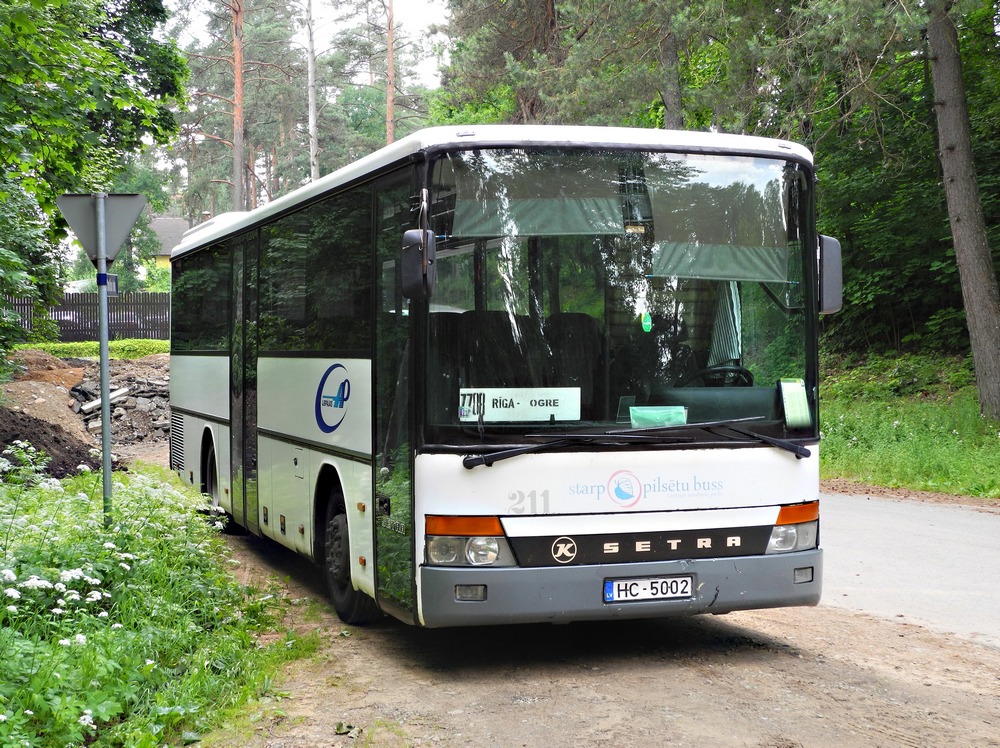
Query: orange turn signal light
{"type": "Point", "coordinates": [797, 513]}
{"type": "Point", "coordinates": [463, 526]}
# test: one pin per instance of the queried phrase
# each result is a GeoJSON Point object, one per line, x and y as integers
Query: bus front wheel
{"type": "Point", "coordinates": [352, 606]}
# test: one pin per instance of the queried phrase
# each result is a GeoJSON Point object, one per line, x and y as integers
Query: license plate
{"type": "Point", "coordinates": [651, 588]}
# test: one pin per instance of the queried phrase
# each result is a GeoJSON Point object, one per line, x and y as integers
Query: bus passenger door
{"type": "Point", "coordinates": [243, 384]}
{"type": "Point", "coordinates": [395, 579]}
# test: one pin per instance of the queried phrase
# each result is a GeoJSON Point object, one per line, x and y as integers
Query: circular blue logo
{"type": "Point", "coordinates": [625, 488]}
{"type": "Point", "coordinates": [331, 399]}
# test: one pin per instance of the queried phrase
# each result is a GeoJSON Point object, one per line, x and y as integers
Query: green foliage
{"type": "Point", "coordinates": [911, 422]}
{"type": "Point", "coordinates": [81, 84]}
{"type": "Point", "coordinates": [126, 348]}
{"type": "Point", "coordinates": [884, 377]}
{"type": "Point", "coordinates": [128, 635]}
{"type": "Point", "coordinates": [26, 259]}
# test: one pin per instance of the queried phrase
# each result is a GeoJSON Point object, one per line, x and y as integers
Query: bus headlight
{"type": "Point", "coordinates": [466, 541]}
{"type": "Point", "coordinates": [799, 537]}
{"type": "Point", "coordinates": [482, 551]}
{"type": "Point", "coordinates": [444, 549]}
{"type": "Point", "coordinates": [448, 550]}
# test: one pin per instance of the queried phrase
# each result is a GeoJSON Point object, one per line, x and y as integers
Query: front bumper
{"type": "Point", "coordinates": [574, 593]}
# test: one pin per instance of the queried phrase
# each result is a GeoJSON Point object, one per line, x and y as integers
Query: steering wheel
{"type": "Point", "coordinates": [721, 375]}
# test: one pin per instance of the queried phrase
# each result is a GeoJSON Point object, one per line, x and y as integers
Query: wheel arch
{"type": "Point", "coordinates": [329, 490]}
{"type": "Point", "coordinates": [208, 448]}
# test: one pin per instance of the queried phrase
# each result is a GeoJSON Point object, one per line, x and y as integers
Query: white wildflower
{"type": "Point", "coordinates": [83, 468]}
{"type": "Point", "coordinates": [111, 546]}
{"type": "Point", "coordinates": [64, 642]}
{"type": "Point", "coordinates": [70, 575]}
{"type": "Point", "coordinates": [125, 566]}
{"type": "Point", "coordinates": [59, 587]}
{"type": "Point", "coordinates": [3, 717]}
{"type": "Point", "coordinates": [7, 575]}
{"type": "Point", "coordinates": [87, 718]}
{"type": "Point", "coordinates": [103, 614]}
{"type": "Point", "coordinates": [12, 593]}
{"type": "Point", "coordinates": [57, 611]}
{"type": "Point", "coordinates": [116, 625]}
{"type": "Point", "coordinates": [94, 596]}
{"type": "Point", "coordinates": [12, 609]}
{"type": "Point", "coordinates": [80, 639]}
{"type": "Point", "coordinates": [34, 582]}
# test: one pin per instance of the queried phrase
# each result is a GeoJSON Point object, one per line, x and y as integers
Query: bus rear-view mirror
{"type": "Point", "coordinates": [831, 293]}
{"type": "Point", "coordinates": [418, 265]}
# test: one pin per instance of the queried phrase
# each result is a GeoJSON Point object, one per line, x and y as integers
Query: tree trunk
{"type": "Point", "coordinates": [980, 290]}
{"type": "Point", "coordinates": [673, 105]}
{"type": "Point", "coordinates": [238, 159]}
{"type": "Point", "coordinates": [390, 77]}
{"type": "Point", "coordinates": [311, 91]}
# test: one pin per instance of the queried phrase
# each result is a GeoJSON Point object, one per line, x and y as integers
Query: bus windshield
{"type": "Point", "coordinates": [584, 290]}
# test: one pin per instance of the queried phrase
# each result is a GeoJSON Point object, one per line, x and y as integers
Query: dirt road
{"type": "Point", "coordinates": [776, 679]}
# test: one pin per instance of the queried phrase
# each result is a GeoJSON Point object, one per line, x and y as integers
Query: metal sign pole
{"type": "Point", "coordinates": [115, 216]}
{"type": "Point", "coordinates": [102, 300]}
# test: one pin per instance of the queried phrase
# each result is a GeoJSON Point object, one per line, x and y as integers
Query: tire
{"type": "Point", "coordinates": [352, 606]}
{"type": "Point", "coordinates": [211, 487]}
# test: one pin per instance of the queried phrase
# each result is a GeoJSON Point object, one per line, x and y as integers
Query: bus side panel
{"type": "Point", "coordinates": [284, 497]}
{"type": "Point", "coordinates": [200, 384]}
{"type": "Point", "coordinates": [316, 415]}
{"type": "Point", "coordinates": [325, 402]}
{"type": "Point", "coordinates": [199, 392]}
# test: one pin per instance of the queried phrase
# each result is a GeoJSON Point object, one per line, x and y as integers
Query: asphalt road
{"type": "Point", "coordinates": [933, 564]}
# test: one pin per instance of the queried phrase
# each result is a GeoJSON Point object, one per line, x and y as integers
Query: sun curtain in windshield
{"type": "Point", "coordinates": [609, 289]}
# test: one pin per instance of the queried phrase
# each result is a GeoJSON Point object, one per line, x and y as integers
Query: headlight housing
{"type": "Point", "coordinates": [788, 538]}
{"type": "Point", "coordinates": [449, 550]}
{"type": "Point", "coordinates": [797, 529]}
{"type": "Point", "coordinates": [466, 541]}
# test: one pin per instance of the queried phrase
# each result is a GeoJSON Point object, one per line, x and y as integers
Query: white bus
{"type": "Point", "coordinates": [506, 374]}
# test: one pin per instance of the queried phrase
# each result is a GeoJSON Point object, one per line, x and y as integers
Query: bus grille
{"type": "Point", "coordinates": [176, 441]}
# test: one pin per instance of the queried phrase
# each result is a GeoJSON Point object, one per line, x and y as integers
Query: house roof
{"type": "Point", "coordinates": [169, 230]}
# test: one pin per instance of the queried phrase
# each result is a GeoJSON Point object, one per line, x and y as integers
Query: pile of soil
{"type": "Point", "coordinates": [39, 407]}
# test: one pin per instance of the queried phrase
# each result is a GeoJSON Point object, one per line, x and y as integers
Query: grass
{"type": "Point", "coordinates": [908, 422]}
{"type": "Point", "coordinates": [135, 635]}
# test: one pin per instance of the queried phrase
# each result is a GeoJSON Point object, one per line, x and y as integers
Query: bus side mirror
{"type": "Point", "coordinates": [419, 264]}
{"type": "Point", "coordinates": [831, 291]}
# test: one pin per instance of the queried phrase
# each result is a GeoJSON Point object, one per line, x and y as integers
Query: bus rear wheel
{"type": "Point", "coordinates": [352, 606]}
{"type": "Point", "coordinates": [211, 487]}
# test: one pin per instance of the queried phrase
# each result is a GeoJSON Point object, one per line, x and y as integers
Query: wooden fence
{"type": "Point", "coordinates": [130, 315]}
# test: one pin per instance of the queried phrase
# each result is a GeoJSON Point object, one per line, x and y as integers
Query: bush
{"type": "Point", "coordinates": [123, 633]}
{"type": "Point", "coordinates": [880, 377]}
{"type": "Point", "coordinates": [127, 348]}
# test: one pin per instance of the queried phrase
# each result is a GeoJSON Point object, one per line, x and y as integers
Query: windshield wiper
{"type": "Point", "coordinates": [733, 425]}
{"type": "Point", "coordinates": [796, 449]}
{"type": "Point", "coordinates": [471, 461]}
